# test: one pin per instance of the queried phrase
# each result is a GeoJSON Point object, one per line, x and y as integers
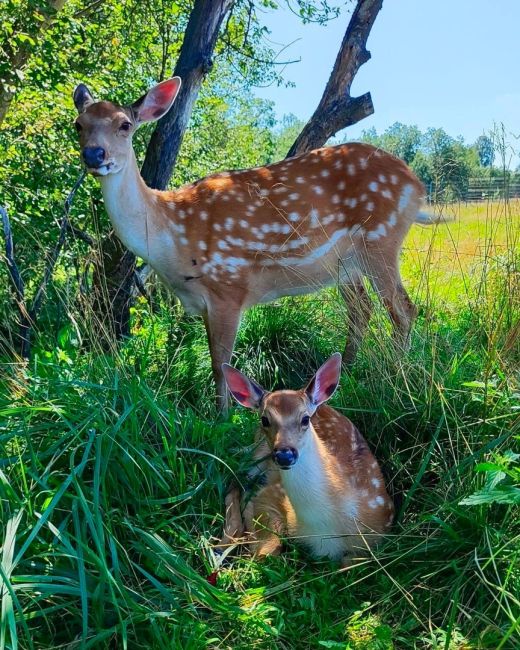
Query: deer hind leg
{"type": "Point", "coordinates": [221, 320]}
{"type": "Point", "coordinates": [359, 310]}
{"type": "Point", "coordinates": [386, 280]}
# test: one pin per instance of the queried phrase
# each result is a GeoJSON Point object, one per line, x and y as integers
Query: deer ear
{"type": "Point", "coordinates": [324, 383]}
{"type": "Point", "coordinates": [244, 390]}
{"type": "Point", "coordinates": [157, 101]}
{"type": "Point", "coordinates": [82, 98]}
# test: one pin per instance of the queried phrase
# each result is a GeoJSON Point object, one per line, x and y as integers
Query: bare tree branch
{"type": "Point", "coordinates": [28, 316]}
{"type": "Point", "coordinates": [195, 61]}
{"type": "Point", "coordinates": [337, 109]}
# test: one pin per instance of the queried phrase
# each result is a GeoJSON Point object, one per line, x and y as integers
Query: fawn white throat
{"type": "Point", "coordinates": [323, 485]}
{"type": "Point", "coordinates": [335, 215]}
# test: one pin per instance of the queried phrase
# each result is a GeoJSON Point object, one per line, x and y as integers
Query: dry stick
{"type": "Point", "coordinates": [17, 282]}
{"type": "Point", "coordinates": [29, 316]}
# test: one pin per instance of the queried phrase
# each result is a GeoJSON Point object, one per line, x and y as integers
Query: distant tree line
{"type": "Point", "coordinates": [446, 165]}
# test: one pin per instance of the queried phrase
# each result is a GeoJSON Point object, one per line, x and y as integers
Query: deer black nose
{"type": "Point", "coordinates": [285, 457]}
{"type": "Point", "coordinates": [93, 156]}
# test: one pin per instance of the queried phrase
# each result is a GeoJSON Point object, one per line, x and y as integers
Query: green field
{"type": "Point", "coordinates": [114, 467]}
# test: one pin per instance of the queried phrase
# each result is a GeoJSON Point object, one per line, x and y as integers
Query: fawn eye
{"type": "Point", "coordinates": [265, 421]}
{"type": "Point", "coordinates": [78, 127]}
{"type": "Point", "coordinates": [125, 126]}
{"type": "Point", "coordinates": [305, 421]}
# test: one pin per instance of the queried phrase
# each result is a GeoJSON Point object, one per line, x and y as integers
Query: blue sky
{"type": "Point", "coordinates": [444, 63]}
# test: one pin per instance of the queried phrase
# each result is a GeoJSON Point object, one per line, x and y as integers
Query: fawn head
{"type": "Point", "coordinates": [285, 415]}
{"type": "Point", "coordinates": [105, 129]}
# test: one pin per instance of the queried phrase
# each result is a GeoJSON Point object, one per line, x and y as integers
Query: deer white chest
{"type": "Point", "coordinates": [317, 518]}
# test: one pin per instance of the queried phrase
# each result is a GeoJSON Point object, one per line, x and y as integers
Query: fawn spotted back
{"type": "Point", "coordinates": [235, 239]}
{"type": "Point", "coordinates": [323, 485]}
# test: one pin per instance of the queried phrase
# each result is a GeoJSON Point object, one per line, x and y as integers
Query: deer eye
{"type": "Point", "coordinates": [265, 421]}
{"type": "Point", "coordinates": [305, 421]}
{"type": "Point", "coordinates": [78, 127]}
{"type": "Point", "coordinates": [125, 126]}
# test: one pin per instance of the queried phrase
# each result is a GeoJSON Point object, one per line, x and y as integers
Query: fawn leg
{"type": "Point", "coordinates": [234, 524]}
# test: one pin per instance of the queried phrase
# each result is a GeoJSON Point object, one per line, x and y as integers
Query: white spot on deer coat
{"type": "Point", "coordinates": [314, 215]}
{"type": "Point", "coordinates": [405, 197]}
{"type": "Point", "coordinates": [392, 220]}
{"type": "Point", "coordinates": [380, 231]}
{"type": "Point", "coordinates": [203, 246]}
{"type": "Point", "coordinates": [373, 186]}
{"type": "Point", "coordinates": [318, 189]}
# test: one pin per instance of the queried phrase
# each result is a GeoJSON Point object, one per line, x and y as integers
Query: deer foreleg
{"type": "Point", "coordinates": [221, 320]}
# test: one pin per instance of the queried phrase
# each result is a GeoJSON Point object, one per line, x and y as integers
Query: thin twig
{"type": "Point", "coordinates": [18, 285]}
{"type": "Point", "coordinates": [53, 257]}
{"type": "Point", "coordinates": [28, 316]}
{"type": "Point", "coordinates": [81, 234]}
{"type": "Point", "coordinates": [12, 267]}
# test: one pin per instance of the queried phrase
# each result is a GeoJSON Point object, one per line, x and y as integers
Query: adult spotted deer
{"type": "Point", "coordinates": [323, 485]}
{"type": "Point", "coordinates": [236, 239]}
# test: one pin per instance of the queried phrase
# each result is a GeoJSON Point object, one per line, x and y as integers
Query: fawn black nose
{"type": "Point", "coordinates": [285, 457]}
{"type": "Point", "coordinates": [93, 157]}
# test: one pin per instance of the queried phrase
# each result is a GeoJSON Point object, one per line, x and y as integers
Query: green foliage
{"type": "Point", "coordinates": [485, 150]}
{"type": "Point", "coordinates": [501, 482]}
{"type": "Point", "coordinates": [443, 163]}
{"type": "Point", "coordinates": [113, 464]}
{"type": "Point", "coordinates": [113, 470]}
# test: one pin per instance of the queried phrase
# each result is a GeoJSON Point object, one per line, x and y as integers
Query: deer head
{"type": "Point", "coordinates": [285, 415]}
{"type": "Point", "coordinates": [105, 129]}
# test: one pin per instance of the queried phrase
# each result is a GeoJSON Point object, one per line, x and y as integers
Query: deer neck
{"type": "Point", "coordinates": [134, 210]}
{"type": "Point", "coordinates": [308, 482]}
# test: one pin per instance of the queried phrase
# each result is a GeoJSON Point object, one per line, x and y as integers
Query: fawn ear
{"type": "Point", "coordinates": [157, 101]}
{"type": "Point", "coordinates": [82, 98]}
{"type": "Point", "coordinates": [324, 383]}
{"type": "Point", "coordinates": [244, 390]}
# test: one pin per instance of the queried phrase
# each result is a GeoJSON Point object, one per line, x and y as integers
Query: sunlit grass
{"type": "Point", "coordinates": [113, 468]}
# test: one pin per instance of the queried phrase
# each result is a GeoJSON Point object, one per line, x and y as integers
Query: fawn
{"type": "Point", "coordinates": [323, 485]}
{"type": "Point", "coordinates": [235, 239]}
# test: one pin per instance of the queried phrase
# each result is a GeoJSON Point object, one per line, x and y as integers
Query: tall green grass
{"type": "Point", "coordinates": [114, 467]}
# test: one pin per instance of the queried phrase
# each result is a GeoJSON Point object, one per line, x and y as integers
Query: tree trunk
{"type": "Point", "coordinates": [337, 109]}
{"type": "Point", "coordinates": [114, 277]}
{"type": "Point", "coordinates": [194, 63]}
{"type": "Point", "coordinates": [19, 57]}
{"type": "Point", "coordinates": [112, 288]}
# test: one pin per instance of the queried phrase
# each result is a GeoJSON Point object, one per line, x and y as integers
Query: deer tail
{"type": "Point", "coordinates": [429, 218]}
